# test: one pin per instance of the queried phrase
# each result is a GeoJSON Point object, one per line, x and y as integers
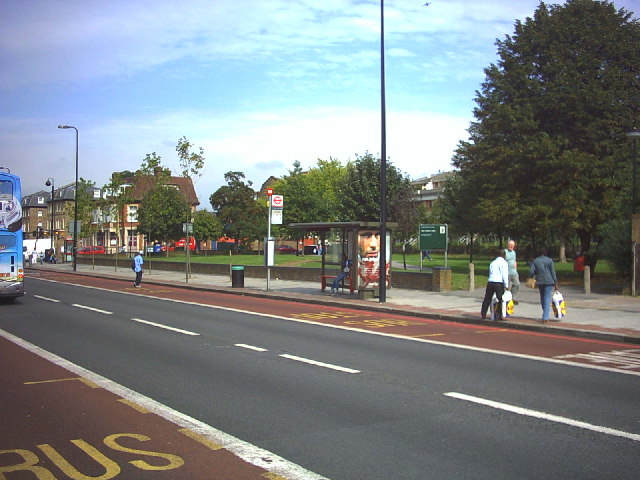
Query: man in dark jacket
{"type": "Point", "coordinates": [545, 274]}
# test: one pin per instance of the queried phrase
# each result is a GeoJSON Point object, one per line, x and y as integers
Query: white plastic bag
{"type": "Point", "coordinates": [558, 304]}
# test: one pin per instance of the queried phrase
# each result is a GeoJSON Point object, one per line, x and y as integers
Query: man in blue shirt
{"type": "Point", "coordinates": [138, 261]}
{"type": "Point", "coordinates": [498, 281]}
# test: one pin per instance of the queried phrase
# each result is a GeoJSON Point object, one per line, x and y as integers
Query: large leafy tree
{"type": "Point", "coordinates": [206, 226]}
{"type": "Point", "coordinates": [545, 153]}
{"type": "Point", "coordinates": [162, 213]}
{"type": "Point", "coordinates": [359, 190]}
{"type": "Point", "coordinates": [235, 204]}
{"type": "Point", "coordinates": [310, 196]}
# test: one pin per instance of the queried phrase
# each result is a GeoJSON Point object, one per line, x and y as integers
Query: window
{"type": "Point", "coordinates": [132, 213]}
{"type": "Point", "coordinates": [40, 200]}
{"type": "Point", "coordinates": [40, 214]}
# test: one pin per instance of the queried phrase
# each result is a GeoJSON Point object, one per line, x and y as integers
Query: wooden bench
{"type": "Point", "coordinates": [323, 282]}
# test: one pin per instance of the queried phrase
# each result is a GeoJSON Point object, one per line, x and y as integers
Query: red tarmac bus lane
{"type": "Point", "coordinates": [603, 353]}
{"type": "Point", "coordinates": [57, 425]}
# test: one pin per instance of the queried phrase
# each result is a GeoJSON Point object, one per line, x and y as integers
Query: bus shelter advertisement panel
{"type": "Point", "coordinates": [369, 258]}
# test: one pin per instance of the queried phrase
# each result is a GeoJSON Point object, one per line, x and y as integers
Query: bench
{"type": "Point", "coordinates": [323, 282]}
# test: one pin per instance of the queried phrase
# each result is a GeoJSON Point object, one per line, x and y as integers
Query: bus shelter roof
{"type": "Point", "coordinates": [325, 226]}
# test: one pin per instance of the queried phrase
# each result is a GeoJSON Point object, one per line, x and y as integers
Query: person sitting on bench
{"type": "Point", "coordinates": [345, 267]}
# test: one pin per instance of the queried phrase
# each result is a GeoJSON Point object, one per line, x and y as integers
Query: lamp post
{"type": "Point", "coordinates": [50, 183]}
{"type": "Point", "coordinates": [634, 136]}
{"type": "Point", "coordinates": [75, 204]}
{"type": "Point", "coordinates": [383, 168]}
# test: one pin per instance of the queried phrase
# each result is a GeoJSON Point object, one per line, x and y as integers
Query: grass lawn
{"type": "Point", "coordinates": [602, 279]}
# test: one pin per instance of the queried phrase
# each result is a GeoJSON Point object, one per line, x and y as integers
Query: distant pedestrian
{"type": "Point", "coordinates": [138, 261]}
{"type": "Point", "coordinates": [498, 281]}
{"type": "Point", "coordinates": [514, 278]}
{"type": "Point", "coordinates": [544, 272]}
{"type": "Point", "coordinates": [426, 254]}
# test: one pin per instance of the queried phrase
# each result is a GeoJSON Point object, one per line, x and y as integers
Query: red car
{"type": "Point", "coordinates": [96, 250]}
{"type": "Point", "coordinates": [286, 249]}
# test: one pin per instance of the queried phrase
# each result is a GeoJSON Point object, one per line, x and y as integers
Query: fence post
{"type": "Point", "coordinates": [587, 279]}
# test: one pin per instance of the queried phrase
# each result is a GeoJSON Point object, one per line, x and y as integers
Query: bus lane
{"type": "Point", "coordinates": [56, 424]}
{"type": "Point", "coordinates": [498, 337]}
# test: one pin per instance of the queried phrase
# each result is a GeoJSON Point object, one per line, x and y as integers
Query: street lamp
{"type": "Point", "coordinates": [75, 204]}
{"type": "Point", "coordinates": [634, 136]}
{"type": "Point", "coordinates": [383, 168]}
{"type": "Point", "coordinates": [49, 183]}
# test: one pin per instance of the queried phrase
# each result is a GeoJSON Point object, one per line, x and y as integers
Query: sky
{"type": "Point", "coordinates": [258, 84]}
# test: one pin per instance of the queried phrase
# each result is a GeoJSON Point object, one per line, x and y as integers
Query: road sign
{"type": "Point", "coordinates": [276, 216]}
{"type": "Point", "coordinates": [269, 192]}
{"type": "Point", "coordinates": [434, 237]}
{"type": "Point", "coordinates": [277, 201]}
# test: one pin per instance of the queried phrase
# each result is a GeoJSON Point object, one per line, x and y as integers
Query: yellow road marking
{"type": "Point", "coordinates": [133, 405]}
{"type": "Point", "coordinates": [273, 476]}
{"type": "Point", "coordinates": [429, 335]}
{"type": "Point", "coordinates": [88, 383]}
{"type": "Point", "coordinates": [497, 330]}
{"type": "Point", "coordinates": [211, 445]}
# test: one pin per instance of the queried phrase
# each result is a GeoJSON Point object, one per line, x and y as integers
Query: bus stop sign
{"type": "Point", "coordinates": [434, 237]}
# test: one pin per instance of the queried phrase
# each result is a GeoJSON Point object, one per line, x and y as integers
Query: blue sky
{"type": "Point", "coordinates": [257, 83]}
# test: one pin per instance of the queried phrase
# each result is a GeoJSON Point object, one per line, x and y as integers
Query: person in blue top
{"type": "Point", "coordinates": [345, 271]}
{"type": "Point", "coordinates": [138, 261]}
{"type": "Point", "coordinates": [545, 274]}
{"type": "Point", "coordinates": [498, 282]}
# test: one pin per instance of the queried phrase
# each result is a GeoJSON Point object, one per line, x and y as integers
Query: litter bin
{"type": "Point", "coordinates": [237, 276]}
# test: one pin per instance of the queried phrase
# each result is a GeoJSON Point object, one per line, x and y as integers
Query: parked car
{"type": "Point", "coordinates": [179, 245]}
{"type": "Point", "coordinates": [286, 249]}
{"type": "Point", "coordinates": [96, 250]}
{"type": "Point", "coordinates": [192, 243]}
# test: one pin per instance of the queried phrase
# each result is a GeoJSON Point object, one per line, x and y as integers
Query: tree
{"type": "Point", "coordinates": [86, 206]}
{"type": "Point", "coordinates": [310, 196]}
{"type": "Point", "coordinates": [206, 226]}
{"type": "Point", "coordinates": [359, 190]}
{"type": "Point", "coordinates": [190, 162]}
{"type": "Point", "coordinates": [151, 163]}
{"type": "Point", "coordinates": [409, 214]}
{"type": "Point", "coordinates": [117, 197]}
{"type": "Point", "coordinates": [162, 213]}
{"type": "Point", "coordinates": [551, 119]}
{"type": "Point", "coordinates": [235, 204]}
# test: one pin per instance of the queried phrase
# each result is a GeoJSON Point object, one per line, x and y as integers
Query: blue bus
{"type": "Point", "coordinates": [11, 254]}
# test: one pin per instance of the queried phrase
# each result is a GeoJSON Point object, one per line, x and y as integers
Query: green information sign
{"type": "Point", "coordinates": [434, 237]}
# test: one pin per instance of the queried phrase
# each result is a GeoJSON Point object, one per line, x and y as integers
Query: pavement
{"type": "Point", "coordinates": [599, 316]}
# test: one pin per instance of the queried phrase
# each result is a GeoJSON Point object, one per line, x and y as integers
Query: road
{"type": "Point", "coordinates": [339, 401]}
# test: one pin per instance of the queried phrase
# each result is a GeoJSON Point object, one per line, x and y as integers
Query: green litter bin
{"type": "Point", "coordinates": [237, 276]}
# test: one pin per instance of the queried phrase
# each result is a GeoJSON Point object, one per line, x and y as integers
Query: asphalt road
{"type": "Point", "coordinates": [344, 404]}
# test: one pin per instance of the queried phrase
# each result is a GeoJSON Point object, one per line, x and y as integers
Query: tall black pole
{"type": "Point", "coordinates": [51, 181]}
{"type": "Point", "coordinates": [634, 136]}
{"type": "Point", "coordinates": [383, 168]}
{"type": "Point", "coordinates": [634, 194]}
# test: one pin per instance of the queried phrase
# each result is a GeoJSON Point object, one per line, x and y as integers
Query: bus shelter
{"type": "Point", "coordinates": [360, 242]}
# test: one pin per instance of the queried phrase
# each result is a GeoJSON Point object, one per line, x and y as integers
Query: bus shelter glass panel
{"type": "Point", "coordinates": [369, 257]}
